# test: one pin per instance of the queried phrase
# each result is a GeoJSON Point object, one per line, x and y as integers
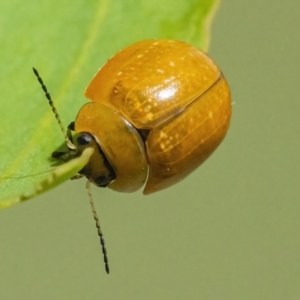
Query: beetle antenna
{"type": "Point", "coordinates": [48, 96]}
{"type": "Point", "coordinates": [102, 242]}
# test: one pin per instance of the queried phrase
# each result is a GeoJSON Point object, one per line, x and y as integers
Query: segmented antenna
{"type": "Point", "coordinates": [48, 96]}
{"type": "Point", "coordinates": [88, 184]}
{"type": "Point", "coordinates": [102, 242]}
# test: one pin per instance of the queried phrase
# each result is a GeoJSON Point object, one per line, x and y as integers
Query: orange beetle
{"type": "Point", "coordinates": [161, 104]}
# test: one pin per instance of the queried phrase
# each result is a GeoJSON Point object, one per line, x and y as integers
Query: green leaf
{"type": "Point", "coordinates": [67, 42]}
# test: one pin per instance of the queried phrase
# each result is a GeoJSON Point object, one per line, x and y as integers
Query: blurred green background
{"type": "Point", "coordinates": [229, 231]}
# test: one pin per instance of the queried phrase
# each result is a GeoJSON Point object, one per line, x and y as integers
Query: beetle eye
{"type": "Point", "coordinates": [84, 139]}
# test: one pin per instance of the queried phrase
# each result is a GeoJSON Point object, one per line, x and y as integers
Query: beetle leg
{"type": "Point", "coordinates": [77, 176]}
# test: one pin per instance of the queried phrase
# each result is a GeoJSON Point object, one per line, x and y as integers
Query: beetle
{"type": "Point", "coordinates": [158, 110]}
{"type": "Point", "coordinates": [161, 104]}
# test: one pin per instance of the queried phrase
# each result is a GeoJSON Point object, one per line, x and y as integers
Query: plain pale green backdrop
{"type": "Point", "coordinates": [230, 231]}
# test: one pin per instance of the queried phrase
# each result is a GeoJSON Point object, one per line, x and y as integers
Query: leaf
{"type": "Point", "coordinates": [67, 42]}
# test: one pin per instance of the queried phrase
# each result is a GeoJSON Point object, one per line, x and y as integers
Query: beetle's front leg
{"type": "Point", "coordinates": [77, 176]}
